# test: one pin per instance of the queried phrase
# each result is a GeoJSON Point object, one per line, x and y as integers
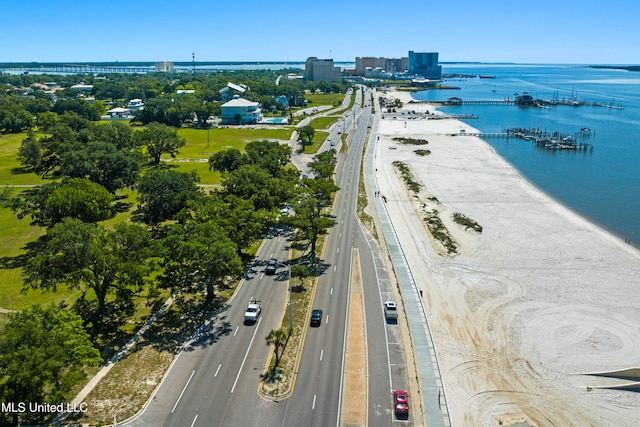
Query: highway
{"type": "Point", "coordinates": [215, 380]}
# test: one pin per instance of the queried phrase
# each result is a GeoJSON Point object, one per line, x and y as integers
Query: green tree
{"type": "Point", "coordinates": [312, 203]}
{"type": "Point", "coordinates": [323, 164]}
{"type": "Point", "coordinates": [89, 257]}
{"type": "Point", "coordinates": [30, 152]}
{"type": "Point", "coordinates": [199, 255]}
{"type": "Point", "coordinates": [13, 117]}
{"type": "Point", "coordinates": [42, 353]}
{"type": "Point", "coordinates": [238, 217]}
{"type": "Point", "coordinates": [72, 198]}
{"type": "Point", "coordinates": [102, 163]}
{"type": "Point", "coordinates": [269, 155]}
{"type": "Point", "coordinates": [277, 338]}
{"type": "Point", "coordinates": [164, 193]}
{"type": "Point", "coordinates": [115, 133]}
{"type": "Point", "coordinates": [159, 139]}
{"type": "Point", "coordinates": [226, 160]}
{"type": "Point", "coordinates": [306, 133]}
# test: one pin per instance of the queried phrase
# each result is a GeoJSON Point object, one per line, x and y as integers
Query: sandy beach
{"type": "Point", "coordinates": [528, 306]}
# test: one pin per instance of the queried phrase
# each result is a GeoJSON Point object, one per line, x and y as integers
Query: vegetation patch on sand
{"type": "Point", "coordinates": [407, 176]}
{"type": "Point", "coordinates": [430, 209]}
{"type": "Point", "coordinates": [410, 141]}
{"type": "Point", "coordinates": [466, 222]}
{"type": "Point", "coordinates": [422, 152]}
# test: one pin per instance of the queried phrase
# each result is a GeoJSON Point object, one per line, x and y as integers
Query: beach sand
{"type": "Point", "coordinates": [526, 307]}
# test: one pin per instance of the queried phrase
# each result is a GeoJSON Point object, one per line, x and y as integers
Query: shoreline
{"type": "Point", "coordinates": [526, 307]}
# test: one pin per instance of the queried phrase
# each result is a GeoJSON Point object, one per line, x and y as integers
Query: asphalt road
{"type": "Point", "coordinates": [215, 380]}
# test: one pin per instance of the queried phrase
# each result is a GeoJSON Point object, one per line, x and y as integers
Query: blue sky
{"type": "Point", "coordinates": [542, 31]}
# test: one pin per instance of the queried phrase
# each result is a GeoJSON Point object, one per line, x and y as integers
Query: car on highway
{"type": "Point", "coordinates": [401, 403]}
{"type": "Point", "coordinates": [272, 266]}
{"type": "Point", "coordinates": [390, 311]}
{"type": "Point", "coordinates": [316, 317]}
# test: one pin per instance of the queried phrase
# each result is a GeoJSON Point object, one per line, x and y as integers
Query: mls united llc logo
{"type": "Point", "coordinates": [31, 407]}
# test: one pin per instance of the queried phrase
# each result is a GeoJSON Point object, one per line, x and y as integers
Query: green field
{"type": "Point", "coordinates": [324, 122]}
{"type": "Point", "coordinates": [201, 143]}
{"type": "Point", "coordinates": [11, 172]}
{"type": "Point", "coordinates": [316, 99]}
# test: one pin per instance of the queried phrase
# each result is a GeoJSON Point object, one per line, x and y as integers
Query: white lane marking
{"type": "Point", "coordinates": [218, 370]}
{"type": "Point", "coordinates": [182, 392]}
{"type": "Point", "coordinates": [246, 354]}
{"type": "Point", "coordinates": [194, 421]}
{"type": "Point", "coordinates": [314, 402]}
{"type": "Point", "coordinates": [321, 353]}
{"type": "Point", "coordinates": [331, 293]}
{"type": "Point", "coordinates": [236, 331]}
{"type": "Point", "coordinates": [335, 267]}
{"type": "Point", "coordinates": [338, 251]}
{"type": "Point", "coordinates": [327, 320]}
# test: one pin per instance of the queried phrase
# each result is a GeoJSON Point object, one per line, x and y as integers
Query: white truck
{"type": "Point", "coordinates": [252, 312]}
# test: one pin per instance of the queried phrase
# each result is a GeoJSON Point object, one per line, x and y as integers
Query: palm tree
{"type": "Point", "coordinates": [278, 338]}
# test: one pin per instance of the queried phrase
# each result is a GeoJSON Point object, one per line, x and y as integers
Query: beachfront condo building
{"type": "Point", "coordinates": [425, 64]}
{"type": "Point", "coordinates": [316, 70]}
{"type": "Point", "coordinates": [389, 65]}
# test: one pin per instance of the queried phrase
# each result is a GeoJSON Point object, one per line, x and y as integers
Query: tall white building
{"type": "Point", "coordinates": [316, 70]}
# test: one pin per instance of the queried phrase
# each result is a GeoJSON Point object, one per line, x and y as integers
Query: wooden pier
{"type": "Point", "coordinates": [544, 139]}
{"type": "Point", "coordinates": [541, 139]}
{"type": "Point", "coordinates": [458, 101]}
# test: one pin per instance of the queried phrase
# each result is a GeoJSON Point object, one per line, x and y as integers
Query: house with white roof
{"type": "Point", "coordinates": [82, 87]}
{"type": "Point", "coordinates": [135, 105]}
{"type": "Point", "coordinates": [230, 90]}
{"type": "Point", "coordinates": [118, 113]}
{"type": "Point", "coordinates": [240, 111]}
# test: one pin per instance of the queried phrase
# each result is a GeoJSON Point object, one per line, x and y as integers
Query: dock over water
{"type": "Point", "coordinates": [541, 139]}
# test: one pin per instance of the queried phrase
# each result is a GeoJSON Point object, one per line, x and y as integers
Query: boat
{"type": "Point", "coordinates": [524, 99]}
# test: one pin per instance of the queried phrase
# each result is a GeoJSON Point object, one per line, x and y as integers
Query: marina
{"type": "Point", "coordinates": [540, 138]}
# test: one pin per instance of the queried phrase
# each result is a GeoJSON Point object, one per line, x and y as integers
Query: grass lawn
{"type": "Point", "coordinates": [318, 139]}
{"type": "Point", "coordinates": [11, 172]}
{"type": "Point", "coordinates": [317, 99]}
{"type": "Point", "coordinates": [324, 122]}
{"type": "Point", "coordinates": [202, 143]}
{"type": "Point", "coordinates": [207, 177]}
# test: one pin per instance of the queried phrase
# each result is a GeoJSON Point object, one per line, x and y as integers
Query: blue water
{"type": "Point", "coordinates": [602, 185]}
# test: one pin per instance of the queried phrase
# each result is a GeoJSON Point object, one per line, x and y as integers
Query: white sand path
{"type": "Point", "coordinates": [539, 296]}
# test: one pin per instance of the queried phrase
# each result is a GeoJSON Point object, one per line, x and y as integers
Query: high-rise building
{"type": "Point", "coordinates": [390, 65]}
{"type": "Point", "coordinates": [425, 64]}
{"type": "Point", "coordinates": [316, 70]}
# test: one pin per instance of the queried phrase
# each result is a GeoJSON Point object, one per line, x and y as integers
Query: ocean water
{"type": "Point", "coordinates": [602, 185]}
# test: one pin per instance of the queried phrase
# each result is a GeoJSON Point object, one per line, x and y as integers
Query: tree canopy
{"type": "Point", "coordinates": [159, 139]}
{"type": "Point", "coordinates": [90, 257]}
{"type": "Point", "coordinates": [42, 353]}
{"type": "Point", "coordinates": [164, 193]}
{"type": "Point", "coordinates": [72, 198]}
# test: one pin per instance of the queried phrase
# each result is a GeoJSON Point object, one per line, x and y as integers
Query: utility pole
{"type": "Point", "coordinates": [193, 61]}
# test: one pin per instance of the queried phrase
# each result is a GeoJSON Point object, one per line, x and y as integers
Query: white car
{"type": "Point", "coordinates": [390, 310]}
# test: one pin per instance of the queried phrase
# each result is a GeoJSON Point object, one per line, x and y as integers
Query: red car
{"type": "Point", "coordinates": [401, 402]}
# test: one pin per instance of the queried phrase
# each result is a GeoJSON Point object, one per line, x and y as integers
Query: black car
{"type": "Point", "coordinates": [272, 266]}
{"type": "Point", "coordinates": [316, 317]}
